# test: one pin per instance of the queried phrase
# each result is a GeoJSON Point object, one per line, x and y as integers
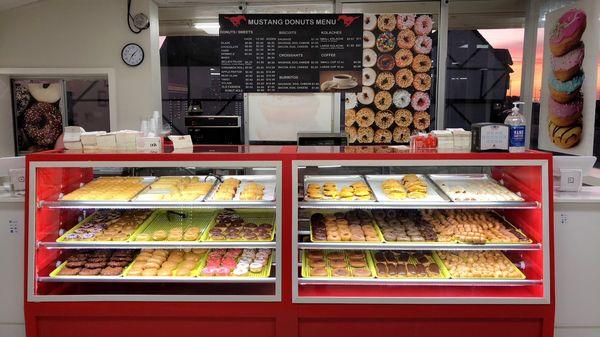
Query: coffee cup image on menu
{"type": "Point", "coordinates": [339, 81]}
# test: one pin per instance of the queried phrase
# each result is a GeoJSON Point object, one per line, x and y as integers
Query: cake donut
{"type": "Point", "coordinates": [565, 137]}
{"type": "Point", "coordinates": [386, 22]}
{"type": "Point", "coordinates": [422, 44]}
{"type": "Point", "coordinates": [404, 78]}
{"type": "Point", "coordinates": [403, 117]}
{"type": "Point", "coordinates": [403, 58]}
{"type": "Point", "coordinates": [567, 66]}
{"type": "Point", "coordinates": [421, 63]}
{"type": "Point", "coordinates": [567, 32]}
{"type": "Point", "coordinates": [352, 134]}
{"type": "Point", "coordinates": [384, 119]}
{"type": "Point", "coordinates": [350, 100]}
{"type": "Point", "coordinates": [565, 114]}
{"type": "Point", "coordinates": [421, 120]}
{"type": "Point", "coordinates": [349, 117]}
{"type": "Point", "coordinates": [401, 98]}
{"type": "Point", "coordinates": [422, 82]}
{"type": "Point", "coordinates": [405, 21]}
{"type": "Point", "coordinates": [401, 134]}
{"type": "Point", "coordinates": [369, 58]}
{"type": "Point", "coordinates": [406, 39]}
{"type": "Point", "coordinates": [366, 96]}
{"type": "Point", "coordinates": [383, 136]}
{"type": "Point", "coordinates": [368, 76]}
{"type": "Point", "coordinates": [365, 117]}
{"type": "Point", "coordinates": [385, 62]}
{"type": "Point", "coordinates": [368, 39]}
{"type": "Point", "coordinates": [43, 124]}
{"type": "Point", "coordinates": [365, 135]}
{"type": "Point", "coordinates": [369, 21]}
{"type": "Point", "coordinates": [564, 92]}
{"type": "Point", "coordinates": [383, 100]}
{"type": "Point", "coordinates": [420, 101]}
{"type": "Point", "coordinates": [385, 80]}
{"type": "Point", "coordinates": [423, 25]}
{"type": "Point", "coordinates": [386, 42]}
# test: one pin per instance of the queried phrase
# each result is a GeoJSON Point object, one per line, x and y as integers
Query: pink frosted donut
{"type": "Point", "coordinates": [405, 21]}
{"type": "Point", "coordinates": [423, 25]}
{"type": "Point", "coordinates": [422, 44]}
{"type": "Point", "coordinates": [565, 114]}
{"type": "Point", "coordinates": [567, 32]}
{"type": "Point", "coordinates": [566, 66]}
{"type": "Point", "coordinates": [420, 101]}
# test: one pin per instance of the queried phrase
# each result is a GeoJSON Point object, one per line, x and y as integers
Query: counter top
{"type": "Point", "coordinates": [588, 194]}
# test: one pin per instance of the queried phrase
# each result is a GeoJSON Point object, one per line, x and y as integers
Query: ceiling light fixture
{"type": "Point", "coordinates": [211, 28]}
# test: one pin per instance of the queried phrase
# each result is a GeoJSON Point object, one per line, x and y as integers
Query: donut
{"type": "Point", "coordinates": [386, 42]}
{"type": "Point", "coordinates": [352, 134]}
{"type": "Point", "coordinates": [350, 100]}
{"type": "Point", "coordinates": [368, 76]}
{"type": "Point", "coordinates": [423, 25]}
{"type": "Point", "coordinates": [421, 63]}
{"type": "Point", "coordinates": [564, 92]}
{"type": "Point", "coordinates": [45, 92]}
{"type": "Point", "coordinates": [385, 80]}
{"type": "Point", "coordinates": [403, 58]}
{"type": "Point", "coordinates": [350, 117]}
{"type": "Point", "coordinates": [384, 119]}
{"type": "Point", "coordinates": [565, 114]}
{"type": "Point", "coordinates": [385, 62]}
{"type": "Point", "coordinates": [401, 134]}
{"type": "Point", "coordinates": [22, 98]}
{"type": "Point", "coordinates": [420, 101]}
{"type": "Point", "coordinates": [369, 21]}
{"type": "Point", "coordinates": [422, 45]}
{"type": "Point", "coordinates": [383, 136]}
{"type": "Point", "coordinates": [401, 98]}
{"type": "Point", "coordinates": [568, 65]}
{"type": "Point", "coordinates": [369, 58]}
{"type": "Point", "coordinates": [403, 117]}
{"type": "Point", "coordinates": [406, 39]}
{"type": "Point", "coordinates": [43, 124]}
{"type": "Point", "coordinates": [383, 100]}
{"type": "Point", "coordinates": [404, 78]}
{"type": "Point", "coordinates": [366, 96]}
{"type": "Point", "coordinates": [386, 22]}
{"type": "Point", "coordinates": [365, 135]}
{"type": "Point", "coordinates": [405, 21]}
{"type": "Point", "coordinates": [422, 82]}
{"type": "Point", "coordinates": [365, 117]}
{"type": "Point", "coordinates": [567, 32]}
{"type": "Point", "coordinates": [421, 120]}
{"type": "Point", "coordinates": [565, 137]}
{"type": "Point", "coordinates": [368, 39]}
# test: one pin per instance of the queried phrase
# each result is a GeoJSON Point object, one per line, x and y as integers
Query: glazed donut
{"type": "Point", "coordinates": [401, 98]}
{"type": "Point", "coordinates": [369, 21]}
{"type": "Point", "coordinates": [350, 117]}
{"type": "Point", "coordinates": [365, 117]}
{"type": "Point", "coordinates": [565, 137]}
{"type": "Point", "coordinates": [43, 124]}
{"type": "Point", "coordinates": [404, 78]}
{"type": "Point", "coordinates": [421, 63]}
{"type": "Point", "coordinates": [383, 100]}
{"type": "Point", "coordinates": [369, 58]}
{"type": "Point", "coordinates": [383, 136]}
{"type": "Point", "coordinates": [384, 119]}
{"type": "Point", "coordinates": [406, 39]}
{"type": "Point", "coordinates": [422, 82]}
{"type": "Point", "coordinates": [368, 76]}
{"type": "Point", "coordinates": [422, 45]}
{"type": "Point", "coordinates": [401, 134]}
{"type": "Point", "coordinates": [386, 22]}
{"type": "Point", "coordinates": [350, 100]}
{"type": "Point", "coordinates": [385, 80]}
{"type": "Point", "coordinates": [385, 62]}
{"type": "Point", "coordinates": [366, 96]}
{"type": "Point", "coordinates": [423, 25]}
{"type": "Point", "coordinates": [403, 58]}
{"type": "Point", "coordinates": [352, 134]}
{"type": "Point", "coordinates": [420, 101]}
{"type": "Point", "coordinates": [405, 21]}
{"type": "Point", "coordinates": [365, 135]}
{"type": "Point", "coordinates": [403, 118]}
{"type": "Point", "coordinates": [421, 120]}
{"type": "Point", "coordinates": [368, 39]}
{"type": "Point", "coordinates": [386, 42]}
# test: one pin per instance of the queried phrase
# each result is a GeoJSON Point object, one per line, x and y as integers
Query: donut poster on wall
{"type": "Point", "coordinates": [568, 102]}
{"type": "Point", "coordinates": [395, 99]}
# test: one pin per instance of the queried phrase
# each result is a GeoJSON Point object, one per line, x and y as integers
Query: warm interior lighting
{"type": "Point", "coordinates": [211, 28]}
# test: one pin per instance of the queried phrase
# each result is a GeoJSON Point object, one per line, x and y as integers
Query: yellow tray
{"type": "Point", "coordinates": [195, 218]}
{"type": "Point", "coordinates": [443, 267]}
{"type": "Point", "coordinates": [63, 265]}
{"type": "Point", "coordinates": [305, 272]}
{"type": "Point", "coordinates": [377, 230]}
{"type": "Point", "coordinates": [193, 272]}
{"type": "Point", "coordinates": [63, 237]}
{"type": "Point", "coordinates": [266, 272]}
{"type": "Point", "coordinates": [248, 216]}
{"type": "Point", "coordinates": [443, 271]}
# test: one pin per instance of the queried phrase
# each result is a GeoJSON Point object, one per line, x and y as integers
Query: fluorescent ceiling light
{"type": "Point", "coordinates": [211, 28]}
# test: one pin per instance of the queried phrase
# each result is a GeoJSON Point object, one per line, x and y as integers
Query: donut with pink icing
{"type": "Point", "coordinates": [423, 25]}
{"type": "Point", "coordinates": [567, 66]}
{"type": "Point", "coordinates": [422, 45]}
{"type": "Point", "coordinates": [405, 21]}
{"type": "Point", "coordinates": [567, 31]}
{"type": "Point", "coordinates": [420, 101]}
{"type": "Point", "coordinates": [565, 114]}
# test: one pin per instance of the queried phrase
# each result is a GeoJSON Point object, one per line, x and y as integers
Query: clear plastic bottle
{"type": "Point", "coordinates": [516, 129]}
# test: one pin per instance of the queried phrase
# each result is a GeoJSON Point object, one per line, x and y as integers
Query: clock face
{"type": "Point", "coordinates": [132, 54]}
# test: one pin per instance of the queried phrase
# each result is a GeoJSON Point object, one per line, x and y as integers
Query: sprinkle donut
{"type": "Point", "coordinates": [386, 22]}
{"type": "Point", "coordinates": [401, 98]}
{"type": "Point", "coordinates": [422, 82]}
{"type": "Point", "coordinates": [401, 134]}
{"type": "Point", "coordinates": [369, 58]}
{"type": "Point", "coordinates": [366, 96]}
{"type": "Point", "coordinates": [404, 78]}
{"type": "Point", "coordinates": [567, 32]}
{"type": "Point", "coordinates": [368, 39]}
{"type": "Point", "coordinates": [384, 119]}
{"type": "Point", "coordinates": [403, 117]}
{"type": "Point", "coordinates": [423, 25]}
{"type": "Point", "coordinates": [422, 45]}
{"type": "Point", "coordinates": [421, 63]}
{"type": "Point", "coordinates": [405, 21]}
{"type": "Point", "coordinates": [350, 117]}
{"type": "Point", "coordinates": [386, 62]}
{"type": "Point", "coordinates": [568, 65]}
{"type": "Point", "coordinates": [43, 124]}
{"type": "Point", "coordinates": [565, 114]}
{"type": "Point", "coordinates": [383, 100]}
{"type": "Point", "coordinates": [383, 136]}
{"type": "Point", "coordinates": [369, 21]}
{"type": "Point", "coordinates": [352, 134]}
{"type": "Point", "coordinates": [421, 120]}
{"type": "Point", "coordinates": [385, 80]}
{"type": "Point", "coordinates": [386, 42]}
{"type": "Point", "coordinates": [365, 117]}
{"type": "Point", "coordinates": [403, 58]}
{"type": "Point", "coordinates": [365, 135]}
{"type": "Point", "coordinates": [420, 101]}
{"type": "Point", "coordinates": [368, 77]}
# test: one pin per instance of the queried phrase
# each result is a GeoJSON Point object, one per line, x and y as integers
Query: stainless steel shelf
{"type": "Point", "coordinates": [417, 205]}
{"type": "Point", "coordinates": [120, 279]}
{"type": "Point", "coordinates": [419, 246]}
{"type": "Point", "coordinates": [424, 281]}
{"type": "Point", "coordinates": [155, 204]}
{"type": "Point", "coordinates": [154, 244]}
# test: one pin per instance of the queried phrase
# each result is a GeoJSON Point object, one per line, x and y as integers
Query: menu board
{"type": "Point", "coordinates": [291, 52]}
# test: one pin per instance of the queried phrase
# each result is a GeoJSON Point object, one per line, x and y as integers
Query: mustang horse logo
{"type": "Point", "coordinates": [347, 20]}
{"type": "Point", "coordinates": [236, 20]}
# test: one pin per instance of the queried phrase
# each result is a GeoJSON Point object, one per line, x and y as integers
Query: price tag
{"type": "Point", "coordinates": [149, 144]}
{"type": "Point", "coordinates": [182, 142]}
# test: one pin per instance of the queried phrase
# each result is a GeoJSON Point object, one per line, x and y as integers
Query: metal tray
{"type": "Point", "coordinates": [340, 180]}
{"type": "Point", "coordinates": [432, 197]}
{"type": "Point", "coordinates": [445, 181]}
{"type": "Point", "coordinates": [150, 190]}
{"type": "Point", "coordinates": [145, 181]}
{"type": "Point", "coordinates": [269, 181]}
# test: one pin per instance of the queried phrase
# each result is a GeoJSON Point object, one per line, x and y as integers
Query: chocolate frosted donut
{"type": "Point", "coordinates": [385, 62]}
{"type": "Point", "coordinates": [43, 124]}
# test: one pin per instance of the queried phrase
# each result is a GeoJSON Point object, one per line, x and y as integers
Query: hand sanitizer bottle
{"type": "Point", "coordinates": [516, 129]}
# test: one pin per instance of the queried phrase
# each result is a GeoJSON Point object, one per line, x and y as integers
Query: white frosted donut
{"type": "Point", "coordinates": [350, 100]}
{"type": "Point", "coordinates": [369, 58]}
{"type": "Point", "coordinates": [401, 98]}
{"type": "Point", "coordinates": [368, 76]}
{"type": "Point", "coordinates": [367, 95]}
{"type": "Point", "coordinates": [369, 21]}
{"type": "Point", "coordinates": [368, 39]}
